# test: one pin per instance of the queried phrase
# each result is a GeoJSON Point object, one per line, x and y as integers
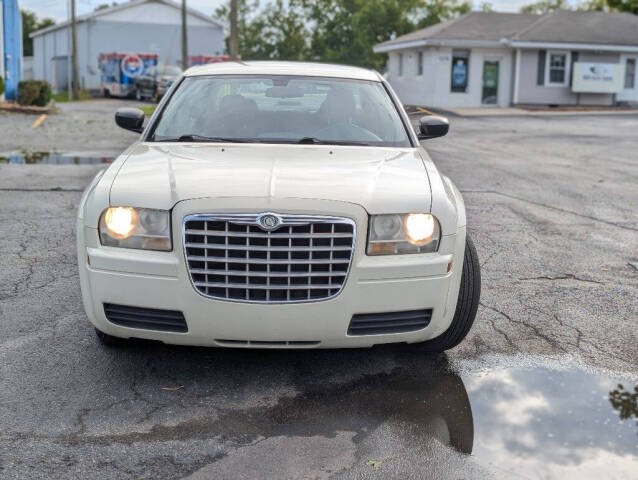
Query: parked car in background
{"type": "Point", "coordinates": [156, 81]}
{"type": "Point", "coordinates": [278, 205]}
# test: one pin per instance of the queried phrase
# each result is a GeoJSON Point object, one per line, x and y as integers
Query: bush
{"type": "Point", "coordinates": [1, 85]}
{"type": "Point", "coordinates": [34, 92]}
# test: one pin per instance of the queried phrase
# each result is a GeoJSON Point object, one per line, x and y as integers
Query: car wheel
{"type": "Point", "coordinates": [466, 305]}
{"type": "Point", "coordinates": [110, 340]}
{"type": "Point", "coordinates": [107, 93]}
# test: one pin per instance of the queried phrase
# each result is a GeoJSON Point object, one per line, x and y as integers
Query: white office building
{"type": "Point", "coordinates": [503, 59]}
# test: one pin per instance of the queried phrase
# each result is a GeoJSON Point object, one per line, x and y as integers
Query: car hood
{"type": "Point", "coordinates": [381, 180]}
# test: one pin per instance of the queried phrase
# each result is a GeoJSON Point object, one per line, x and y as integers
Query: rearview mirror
{"type": "Point", "coordinates": [130, 119]}
{"type": "Point", "coordinates": [433, 126]}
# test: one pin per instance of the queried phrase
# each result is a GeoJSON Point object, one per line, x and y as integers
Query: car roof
{"type": "Point", "coordinates": [284, 68]}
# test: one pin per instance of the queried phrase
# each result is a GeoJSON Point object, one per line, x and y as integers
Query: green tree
{"type": "Point", "coordinates": [437, 11]}
{"type": "Point", "coordinates": [31, 24]}
{"type": "Point", "coordinates": [546, 6]}
{"type": "Point", "coordinates": [344, 31]}
{"type": "Point", "coordinates": [486, 7]}
{"type": "Point", "coordinates": [250, 24]}
{"type": "Point", "coordinates": [104, 6]}
{"type": "Point", "coordinates": [338, 31]}
{"type": "Point", "coordinates": [630, 6]}
{"type": "Point", "coordinates": [285, 31]}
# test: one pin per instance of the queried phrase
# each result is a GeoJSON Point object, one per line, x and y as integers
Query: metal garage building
{"type": "Point", "coordinates": [502, 59]}
{"type": "Point", "coordinates": [139, 26]}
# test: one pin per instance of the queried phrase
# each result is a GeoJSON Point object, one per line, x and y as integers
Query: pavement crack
{"type": "Point", "coordinates": [537, 332]}
{"type": "Point", "coordinates": [566, 276]}
{"type": "Point", "coordinates": [553, 207]}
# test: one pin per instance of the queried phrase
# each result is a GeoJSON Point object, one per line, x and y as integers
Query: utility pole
{"type": "Point", "coordinates": [74, 52]}
{"type": "Point", "coordinates": [234, 34]}
{"type": "Point", "coordinates": [69, 70]}
{"type": "Point", "coordinates": [184, 38]}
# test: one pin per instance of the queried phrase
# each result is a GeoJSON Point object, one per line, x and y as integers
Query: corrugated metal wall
{"type": "Point", "coordinates": [95, 37]}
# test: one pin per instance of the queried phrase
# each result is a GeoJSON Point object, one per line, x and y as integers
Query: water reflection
{"type": "Point", "coordinates": [546, 423]}
{"type": "Point", "coordinates": [625, 402]}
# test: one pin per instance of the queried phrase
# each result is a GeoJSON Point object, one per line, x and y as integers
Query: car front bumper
{"type": "Point", "coordinates": [379, 284]}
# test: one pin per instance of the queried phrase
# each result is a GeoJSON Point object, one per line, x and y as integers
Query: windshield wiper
{"type": "Point", "coordinates": [200, 138]}
{"type": "Point", "coordinates": [316, 141]}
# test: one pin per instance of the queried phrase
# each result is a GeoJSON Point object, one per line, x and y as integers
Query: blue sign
{"type": "Point", "coordinates": [459, 75]}
{"type": "Point", "coordinates": [132, 66]}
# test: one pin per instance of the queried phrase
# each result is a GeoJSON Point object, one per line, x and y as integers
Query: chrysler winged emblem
{"type": "Point", "coordinates": [269, 221]}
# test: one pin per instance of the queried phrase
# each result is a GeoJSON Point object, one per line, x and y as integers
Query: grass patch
{"type": "Point", "coordinates": [148, 109]}
{"type": "Point", "coordinates": [63, 97]}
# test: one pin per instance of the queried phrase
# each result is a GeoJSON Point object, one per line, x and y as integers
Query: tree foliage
{"type": "Point", "coordinates": [30, 24]}
{"type": "Point", "coordinates": [338, 31]}
{"type": "Point", "coordinates": [546, 6]}
{"type": "Point", "coordinates": [630, 6]}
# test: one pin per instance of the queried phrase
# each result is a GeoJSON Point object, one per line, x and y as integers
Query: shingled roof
{"type": "Point", "coordinates": [485, 28]}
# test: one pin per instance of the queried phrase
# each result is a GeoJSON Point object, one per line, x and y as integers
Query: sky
{"type": "Point", "coordinates": [58, 9]}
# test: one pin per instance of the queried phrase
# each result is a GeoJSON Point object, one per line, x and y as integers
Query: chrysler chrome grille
{"type": "Point", "coordinates": [268, 258]}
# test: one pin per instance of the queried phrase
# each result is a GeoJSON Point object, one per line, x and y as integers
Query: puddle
{"type": "Point", "coordinates": [53, 158]}
{"type": "Point", "coordinates": [539, 422]}
{"type": "Point", "coordinates": [510, 418]}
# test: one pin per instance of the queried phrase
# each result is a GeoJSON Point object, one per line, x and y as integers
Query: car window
{"type": "Point", "coordinates": [282, 109]}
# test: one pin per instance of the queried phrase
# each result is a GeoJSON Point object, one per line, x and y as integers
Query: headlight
{"type": "Point", "coordinates": [408, 233]}
{"type": "Point", "coordinates": [130, 227]}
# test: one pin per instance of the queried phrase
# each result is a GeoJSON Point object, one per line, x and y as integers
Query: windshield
{"type": "Point", "coordinates": [282, 109]}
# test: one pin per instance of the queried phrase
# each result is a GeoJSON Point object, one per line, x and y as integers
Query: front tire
{"type": "Point", "coordinates": [466, 305]}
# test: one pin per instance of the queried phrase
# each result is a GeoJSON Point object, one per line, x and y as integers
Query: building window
{"type": "Point", "coordinates": [460, 70]}
{"type": "Point", "coordinates": [419, 66]}
{"type": "Point", "coordinates": [400, 64]}
{"type": "Point", "coordinates": [630, 73]}
{"type": "Point", "coordinates": [556, 68]}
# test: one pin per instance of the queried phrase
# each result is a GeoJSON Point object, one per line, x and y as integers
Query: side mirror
{"type": "Point", "coordinates": [130, 119]}
{"type": "Point", "coordinates": [433, 126]}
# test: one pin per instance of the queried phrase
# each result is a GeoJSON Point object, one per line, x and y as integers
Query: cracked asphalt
{"type": "Point", "coordinates": [553, 210]}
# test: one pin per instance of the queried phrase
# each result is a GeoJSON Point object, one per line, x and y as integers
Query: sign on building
{"type": "Point", "coordinates": [597, 77]}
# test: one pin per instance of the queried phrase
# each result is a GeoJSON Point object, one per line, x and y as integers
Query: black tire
{"type": "Point", "coordinates": [466, 305]}
{"type": "Point", "coordinates": [110, 340]}
{"type": "Point", "coordinates": [107, 93]}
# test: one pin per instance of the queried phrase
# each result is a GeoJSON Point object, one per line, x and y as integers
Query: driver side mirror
{"type": "Point", "coordinates": [433, 126]}
{"type": "Point", "coordinates": [130, 119]}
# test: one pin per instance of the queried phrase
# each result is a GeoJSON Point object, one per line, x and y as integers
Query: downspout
{"type": "Point", "coordinates": [517, 76]}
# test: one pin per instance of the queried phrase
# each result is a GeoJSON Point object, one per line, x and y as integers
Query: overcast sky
{"type": "Point", "coordinates": [57, 9]}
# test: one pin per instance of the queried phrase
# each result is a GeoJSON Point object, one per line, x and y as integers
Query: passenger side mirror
{"type": "Point", "coordinates": [130, 119]}
{"type": "Point", "coordinates": [433, 126]}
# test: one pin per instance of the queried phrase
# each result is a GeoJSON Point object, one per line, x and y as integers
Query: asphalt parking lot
{"type": "Point", "coordinates": [532, 393]}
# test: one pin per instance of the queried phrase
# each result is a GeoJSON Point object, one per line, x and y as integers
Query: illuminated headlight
{"type": "Point", "coordinates": [401, 234]}
{"type": "Point", "coordinates": [129, 227]}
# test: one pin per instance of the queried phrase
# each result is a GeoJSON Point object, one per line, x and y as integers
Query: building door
{"type": "Point", "coordinates": [629, 92]}
{"type": "Point", "coordinates": [490, 82]}
{"type": "Point", "coordinates": [61, 69]}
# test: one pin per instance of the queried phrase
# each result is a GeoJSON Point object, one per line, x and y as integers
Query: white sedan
{"type": "Point", "coordinates": [277, 205]}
